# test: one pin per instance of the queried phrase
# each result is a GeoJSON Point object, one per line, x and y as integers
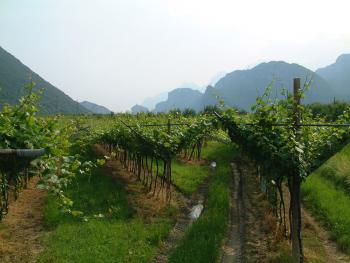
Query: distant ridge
{"type": "Point", "coordinates": [241, 87]}
{"type": "Point", "coordinates": [14, 75]}
{"type": "Point", "coordinates": [95, 108]}
{"type": "Point", "coordinates": [138, 109]}
{"type": "Point", "coordinates": [181, 98]}
{"type": "Point", "coordinates": [338, 76]}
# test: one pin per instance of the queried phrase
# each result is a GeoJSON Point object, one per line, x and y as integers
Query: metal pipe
{"type": "Point", "coordinates": [26, 153]}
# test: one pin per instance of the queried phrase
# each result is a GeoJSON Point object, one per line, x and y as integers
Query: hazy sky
{"type": "Point", "coordinates": [118, 52]}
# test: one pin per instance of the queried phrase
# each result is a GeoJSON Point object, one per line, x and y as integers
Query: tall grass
{"type": "Point", "coordinates": [331, 206]}
{"type": "Point", "coordinates": [337, 169]}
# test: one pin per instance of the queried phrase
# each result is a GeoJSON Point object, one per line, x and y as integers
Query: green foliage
{"type": "Point", "coordinates": [281, 150]}
{"type": "Point", "coordinates": [134, 136]}
{"type": "Point", "coordinates": [284, 150]}
{"type": "Point", "coordinates": [188, 112]}
{"type": "Point", "coordinates": [330, 112]}
{"type": "Point", "coordinates": [210, 109]}
{"type": "Point", "coordinates": [21, 128]}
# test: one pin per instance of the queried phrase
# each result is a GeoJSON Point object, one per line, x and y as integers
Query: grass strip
{"type": "Point", "coordinates": [337, 169]}
{"type": "Point", "coordinates": [202, 242]}
{"type": "Point", "coordinates": [331, 206]}
{"type": "Point", "coordinates": [118, 237]}
{"type": "Point", "coordinates": [187, 177]}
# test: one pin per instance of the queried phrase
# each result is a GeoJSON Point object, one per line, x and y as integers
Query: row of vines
{"type": "Point", "coordinates": [287, 143]}
{"type": "Point", "coordinates": [147, 149]}
{"type": "Point", "coordinates": [281, 136]}
{"type": "Point", "coordinates": [31, 145]}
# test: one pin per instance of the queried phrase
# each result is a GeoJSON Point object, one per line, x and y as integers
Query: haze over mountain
{"type": "Point", "coordinates": [181, 98]}
{"type": "Point", "coordinates": [14, 76]}
{"type": "Point", "coordinates": [238, 88]}
{"type": "Point", "coordinates": [138, 109]}
{"type": "Point", "coordinates": [241, 87]}
{"type": "Point", "coordinates": [338, 76]}
{"type": "Point", "coordinates": [95, 108]}
{"type": "Point", "coordinates": [151, 102]}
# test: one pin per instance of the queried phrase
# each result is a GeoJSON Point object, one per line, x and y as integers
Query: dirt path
{"type": "Point", "coordinates": [22, 231]}
{"type": "Point", "coordinates": [232, 249]}
{"type": "Point", "coordinates": [250, 234]}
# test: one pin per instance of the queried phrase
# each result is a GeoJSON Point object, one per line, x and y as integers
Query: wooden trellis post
{"type": "Point", "coordinates": [168, 171]}
{"type": "Point", "coordinates": [295, 183]}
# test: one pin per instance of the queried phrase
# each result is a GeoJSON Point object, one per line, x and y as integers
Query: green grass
{"type": "Point", "coordinates": [337, 169]}
{"type": "Point", "coordinates": [330, 205]}
{"type": "Point", "coordinates": [202, 242]}
{"type": "Point", "coordinates": [104, 241]}
{"type": "Point", "coordinates": [187, 177]}
{"type": "Point", "coordinates": [119, 237]}
{"type": "Point", "coordinates": [99, 194]}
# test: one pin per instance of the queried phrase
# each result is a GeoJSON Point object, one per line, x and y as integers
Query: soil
{"type": "Point", "coordinates": [22, 232]}
{"type": "Point", "coordinates": [148, 206]}
{"type": "Point", "coordinates": [251, 236]}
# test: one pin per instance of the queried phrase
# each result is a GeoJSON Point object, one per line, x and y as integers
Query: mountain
{"type": "Point", "coordinates": [181, 98]}
{"type": "Point", "coordinates": [151, 102]}
{"type": "Point", "coordinates": [241, 87]}
{"type": "Point", "coordinates": [190, 85]}
{"type": "Point", "coordinates": [95, 108]}
{"type": "Point", "coordinates": [138, 109]}
{"type": "Point", "coordinates": [14, 76]}
{"type": "Point", "coordinates": [338, 76]}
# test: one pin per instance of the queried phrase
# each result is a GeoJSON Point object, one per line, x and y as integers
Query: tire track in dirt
{"type": "Point", "coordinates": [232, 249]}
{"type": "Point", "coordinates": [251, 234]}
{"type": "Point", "coordinates": [248, 237]}
{"type": "Point", "coordinates": [22, 231]}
